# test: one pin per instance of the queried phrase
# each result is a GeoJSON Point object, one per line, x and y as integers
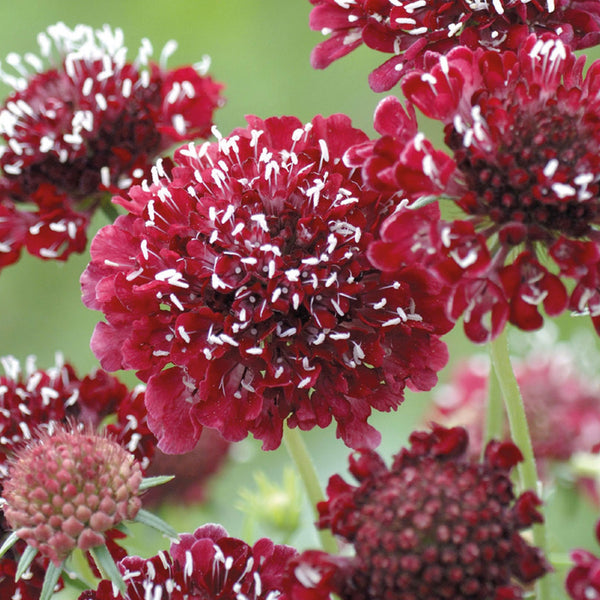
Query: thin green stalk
{"type": "Point", "coordinates": [292, 439]}
{"type": "Point", "coordinates": [494, 413]}
{"type": "Point", "coordinates": [519, 430]}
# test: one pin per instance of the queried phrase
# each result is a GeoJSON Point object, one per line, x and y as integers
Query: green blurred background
{"type": "Point", "coordinates": [260, 50]}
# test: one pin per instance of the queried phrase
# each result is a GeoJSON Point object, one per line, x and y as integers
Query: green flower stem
{"type": "Point", "coordinates": [519, 430]}
{"type": "Point", "coordinates": [494, 413]}
{"type": "Point", "coordinates": [292, 439]}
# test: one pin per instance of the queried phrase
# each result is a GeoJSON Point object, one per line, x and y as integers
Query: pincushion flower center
{"type": "Point", "coordinates": [533, 167]}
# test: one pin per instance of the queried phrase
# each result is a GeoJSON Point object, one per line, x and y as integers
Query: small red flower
{"type": "Point", "coordinates": [82, 123]}
{"type": "Point", "coordinates": [524, 131]}
{"type": "Point", "coordinates": [409, 29]}
{"type": "Point", "coordinates": [238, 287]}
{"type": "Point", "coordinates": [205, 564]}
{"type": "Point", "coordinates": [583, 579]}
{"type": "Point", "coordinates": [435, 525]}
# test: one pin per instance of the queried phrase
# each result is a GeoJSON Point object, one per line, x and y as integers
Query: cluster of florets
{"type": "Point", "coordinates": [69, 487]}
{"type": "Point", "coordinates": [205, 564]}
{"type": "Point", "coordinates": [436, 525]}
{"type": "Point", "coordinates": [408, 29]}
{"type": "Point", "coordinates": [523, 129]}
{"type": "Point", "coordinates": [245, 297]}
{"type": "Point", "coordinates": [83, 123]}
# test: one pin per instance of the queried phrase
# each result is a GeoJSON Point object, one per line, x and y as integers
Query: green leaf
{"type": "Point", "coordinates": [150, 482]}
{"type": "Point", "coordinates": [25, 560]}
{"type": "Point", "coordinates": [9, 542]}
{"type": "Point", "coordinates": [50, 580]}
{"type": "Point", "coordinates": [106, 563]}
{"type": "Point", "coordinates": [147, 518]}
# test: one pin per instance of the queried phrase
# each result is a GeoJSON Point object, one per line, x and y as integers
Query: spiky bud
{"type": "Point", "coordinates": [67, 488]}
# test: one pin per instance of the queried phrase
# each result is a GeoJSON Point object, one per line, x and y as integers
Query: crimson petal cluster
{"type": "Point", "coordinates": [525, 136]}
{"type": "Point", "coordinates": [408, 29]}
{"type": "Point", "coordinates": [81, 123]}
{"type": "Point", "coordinates": [205, 564]}
{"type": "Point", "coordinates": [583, 579]}
{"type": "Point", "coordinates": [238, 287]}
{"type": "Point", "coordinates": [433, 526]}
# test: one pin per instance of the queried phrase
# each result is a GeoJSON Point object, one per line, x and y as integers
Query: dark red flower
{"type": "Point", "coordinates": [239, 288]}
{"type": "Point", "coordinates": [435, 525]}
{"type": "Point", "coordinates": [524, 130]}
{"type": "Point", "coordinates": [409, 29]}
{"type": "Point", "coordinates": [561, 403]}
{"type": "Point", "coordinates": [583, 579]}
{"type": "Point", "coordinates": [205, 564]}
{"type": "Point", "coordinates": [83, 123]}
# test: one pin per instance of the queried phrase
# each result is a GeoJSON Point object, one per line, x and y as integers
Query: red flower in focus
{"type": "Point", "coordinates": [561, 404]}
{"type": "Point", "coordinates": [85, 126]}
{"type": "Point", "coordinates": [433, 526]}
{"type": "Point", "coordinates": [524, 130]}
{"type": "Point", "coordinates": [192, 471]}
{"type": "Point", "coordinates": [409, 29]}
{"type": "Point", "coordinates": [239, 288]}
{"type": "Point", "coordinates": [205, 564]}
{"type": "Point", "coordinates": [583, 579]}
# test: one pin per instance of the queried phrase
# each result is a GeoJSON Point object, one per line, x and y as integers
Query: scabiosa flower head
{"type": "Point", "coordinates": [561, 403]}
{"type": "Point", "coordinates": [435, 525]}
{"type": "Point", "coordinates": [408, 29]}
{"type": "Point", "coordinates": [239, 288]}
{"type": "Point", "coordinates": [205, 564]}
{"type": "Point", "coordinates": [583, 579]}
{"type": "Point", "coordinates": [67, 488]}
{"type": "Point", "coordinates": [525, 136]}
{"type": "Point", "coordinates": [82, 123]}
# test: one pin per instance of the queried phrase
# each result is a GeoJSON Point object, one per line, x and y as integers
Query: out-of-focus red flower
{"type": "Point", "coordinates": [561, 404]}
{"type": "Point", "coordinates": [192, 471]}
{"type": "Point", "coordinates": [238, 287]}
{"type": "Point", "coordinates": [407, 30]}
{"type": "Point", "coordinates": [83, 123]}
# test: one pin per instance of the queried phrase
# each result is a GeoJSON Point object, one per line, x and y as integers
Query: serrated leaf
{"type": "Point", "coordinates": [25, 561]}
{"type": "Point", "coordinates": [105, 561]}
{"type": "Point", "coordinates": [9, 542]}
{"type": "Point", "coordinates": [151, 520]}
{"type": "Point", "coordinates": [50, 580]}
{"type": "Point", "coordinates": [150, 482]}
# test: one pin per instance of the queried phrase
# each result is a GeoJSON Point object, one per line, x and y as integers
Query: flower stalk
{"type": "Point", "coordinates": [519, 430]}
{"type": "Point", "coordinates": [292, 439]}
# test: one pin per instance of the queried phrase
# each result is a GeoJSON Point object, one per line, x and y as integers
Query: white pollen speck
{"type": "Point", "coordinates": [304, 382]}
{"type": "Point", "coordinates": [551, 167]}
{"type": "Point", "coordinates": [101, 101]}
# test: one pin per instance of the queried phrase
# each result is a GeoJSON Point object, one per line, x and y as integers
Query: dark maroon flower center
{"type": "Point", "coordinates": [433, 532]}
{"type": "Point", "coordinates": [541, 172]}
